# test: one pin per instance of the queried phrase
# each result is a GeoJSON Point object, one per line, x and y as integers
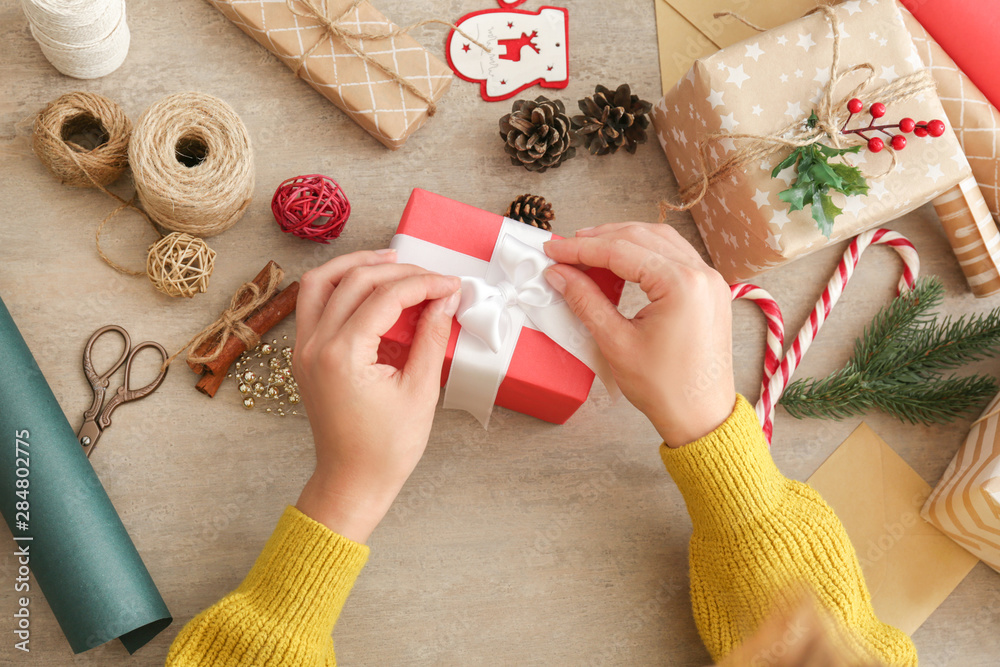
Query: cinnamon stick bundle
{"type": "Point", "coordinates": [260, 321]}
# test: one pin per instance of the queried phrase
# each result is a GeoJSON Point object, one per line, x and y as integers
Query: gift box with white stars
{"type": "Point", "coordinates": [773, 82]}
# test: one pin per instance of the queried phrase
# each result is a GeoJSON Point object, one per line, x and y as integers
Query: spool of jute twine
{"type": "Point", "coordinates": [85, 39]}
{"type": "Point", "coordinates": [830, 115]}
{"type": "Point", "coordinates": [83, 139]}
{"type": "Point", "coordinates": [192, 164]}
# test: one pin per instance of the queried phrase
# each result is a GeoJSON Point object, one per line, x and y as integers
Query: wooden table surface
{"type": "Point", "coordinates": [530, 544]}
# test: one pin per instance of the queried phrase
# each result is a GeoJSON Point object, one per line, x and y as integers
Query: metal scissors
{"type": "Point", "coordinates": [98, 418]}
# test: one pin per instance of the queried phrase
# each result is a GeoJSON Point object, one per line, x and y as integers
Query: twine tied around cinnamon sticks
{"type": "Point", "coordinates": [334, 27]}
{"type": "Point", "coordinates": [230, 324]}
{"type": "Point", "coordinates": [829, 112]}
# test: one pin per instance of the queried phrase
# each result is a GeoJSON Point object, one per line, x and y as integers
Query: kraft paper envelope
{"type": "Point", "coordinates": [910, 566]}
{"type": "Point", "coordinates": [687, 29]}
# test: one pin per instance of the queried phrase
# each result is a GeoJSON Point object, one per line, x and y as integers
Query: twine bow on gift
{"type": "Point", "coordinates": [248, 298]}
{"type": "Point", "coordinates": [317, 10]}
{"type": "Point", "coordinates": [830, 116]}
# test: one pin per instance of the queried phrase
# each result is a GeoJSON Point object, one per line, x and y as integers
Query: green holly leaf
{"type": "Point", "coordinates": [816, 177]}
{"type": "Point", "coordinates": [787, 162]}
{"type": "Point", "coordinates": [824, 211]}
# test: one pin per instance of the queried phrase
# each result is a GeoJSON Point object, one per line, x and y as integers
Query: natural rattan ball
{"type": "Point", "coordinates": [192, 164]}
{"type": "Point", "coordinates": [180, 264]}
{"type": "Point", "coordinates": [86, 118]}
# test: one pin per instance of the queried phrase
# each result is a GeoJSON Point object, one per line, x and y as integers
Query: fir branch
{"type": "Point", "coordinates": [898, 364]}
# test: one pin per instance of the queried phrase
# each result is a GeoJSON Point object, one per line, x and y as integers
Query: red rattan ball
{"type": "Point", "coordinates": [311, 207]}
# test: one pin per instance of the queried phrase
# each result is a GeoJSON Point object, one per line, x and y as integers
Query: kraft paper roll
{"type": "Point", "coordinates": [81, 557]}
{"type": "Point", "coordinates": [973, 235]}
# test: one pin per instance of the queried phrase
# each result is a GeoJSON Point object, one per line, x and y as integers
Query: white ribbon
{"type": "Point", "coordinates": [499, 298]}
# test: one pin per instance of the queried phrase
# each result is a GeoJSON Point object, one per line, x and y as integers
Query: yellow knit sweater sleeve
{"type": "Point", "coordinates": [758, 537]}
{"type": "Point", "coordinates": [284, 611]}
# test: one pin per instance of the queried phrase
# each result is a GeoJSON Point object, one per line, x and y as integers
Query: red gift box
{"type": "Point", "coordinates": [967, 30]}
{"type": "Point", "coordinates": [543, 379]}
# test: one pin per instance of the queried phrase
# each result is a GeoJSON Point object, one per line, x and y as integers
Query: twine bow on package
{"type": "Point", "coordinates": [353, 56]}
{"type": "Point", "coordinates": [740, 111]}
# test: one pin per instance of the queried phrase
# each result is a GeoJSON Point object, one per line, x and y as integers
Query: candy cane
{"type": "Point", "coordinates": [777, 375]}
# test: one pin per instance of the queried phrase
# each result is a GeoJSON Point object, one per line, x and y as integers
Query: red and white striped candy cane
{"type": "Point", "coordinates": [778, 366]}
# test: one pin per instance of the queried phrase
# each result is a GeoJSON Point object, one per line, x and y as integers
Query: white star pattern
{"type": "Point", "coordinates": [914, 59]}
{"type": "Point", "coordinates": [773, 240]}
{"type": "Point", "coordinates": [888, 73]}
{"type": "Point", "coordinates": [757, 110]}
{"type": "Point", "coordinates": [760, 198]}
{"type": "Point", "coordinates": [779, 219]}
{"type": "Point", "coordinates": [729, 145]}
{"type": "Point", "coordinates": [843, 33]}
{"type": "Point", "coordinates": [934, 172]}
{"type": "Point", "coordinates": [737, 76]}
{"type": "Point", "coordinates": [715, 98]}
{"type": "Point", "coordinates": [782, 40]}
{"type": "Point", "coordinates": [754, 51]}
{"type": "Point", "coordinates": [787, 174]}
{"type": "Point", "coordinates": [799, 73]}
{"type": "Point", "coordinates": [883, 41]}
{"type": "Point", "coordinates": [729, 122]}
{"type": "Point", "coordinates": [878, 189]}
{"type": "Point", "coordinates": [852, 7]}
{"type": "Point", "coordinates": [721, 66]}
{"type": "Point", "coordinates": [806, 41]}
{"type": "Point", "coordinates": [722, 203]}
{"type": "Point", "coordinates": [822, 74]}
{"type": "Point", "coordinates": [793, 110]}
{"type": "Point", "coordinates": [873, 35]}
{"type": "Point", "coordinates": [854, 205]}
{"type": "Point", "coordinates": [681, 138]}
{"type": "Point", "coordinates": [784, 78]}
{"type": "Point", "coordinates": [959, 158]}
{"type": "Point", "coordinates": [730, 238]}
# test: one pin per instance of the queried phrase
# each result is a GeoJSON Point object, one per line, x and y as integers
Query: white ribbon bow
{"type": "Point", "coordinates": [500, 297]}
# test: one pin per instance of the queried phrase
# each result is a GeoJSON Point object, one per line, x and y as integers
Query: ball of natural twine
{"type": "Point", "coordinates": [85, 39]}
{"type": "Point", "coordinates": [180, 264]}
{"type": "Point", "coordinates": [311, 207]}
{"type": "Point", "coordinates": [192, 164]}
{"type": "Point", "coordinates": [83, 139]}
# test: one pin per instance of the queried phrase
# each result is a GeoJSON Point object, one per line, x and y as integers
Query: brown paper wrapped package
{"type": "Point", "coordinates": [381, 106]}
{"type": "Point", "coordinates": [965, 505]}
{"type": "Point", "coordinates": [964, 212]}
{"type": "Point", "coordinates": [759, 86]}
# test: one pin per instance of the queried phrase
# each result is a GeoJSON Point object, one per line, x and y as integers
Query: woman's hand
{"type": "Point", "coordinates": [370, 421]}
{"type": "Point", "coordinates": [673, 360]}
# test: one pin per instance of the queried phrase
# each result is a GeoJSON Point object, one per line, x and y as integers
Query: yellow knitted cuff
{"type": "Point", "coordinates": [304, 574]}
{"type": "Point", "coordinates": [727, 477]}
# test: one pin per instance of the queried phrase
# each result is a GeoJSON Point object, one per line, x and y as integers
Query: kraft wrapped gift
{"type": "Point", "coordinates": [966, 209]}
{"type": "Point", "coordinates": [771, 83]}
{"type": "Point", "coordinates": [504, 298]}
{"type": "Point", "coordinates": [364, 89]}
{"type": "Point", "coordinates": [965, 505]}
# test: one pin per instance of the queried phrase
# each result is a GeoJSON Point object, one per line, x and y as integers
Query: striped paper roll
{"type": "Point", "coordinates": [966, 503]}
{"type": "Point", "coordinates": [973, 235]}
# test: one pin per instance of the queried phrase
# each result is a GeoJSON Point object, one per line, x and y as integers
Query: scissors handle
{"type": "Point", "coordinates": [99, 382]}
{"type": "Point", "coordinates": [126, 393]}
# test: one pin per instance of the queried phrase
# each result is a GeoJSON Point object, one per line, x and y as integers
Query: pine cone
{"type": "Point", "coordinates": [611, 120]}
{"type": "Point", "coordinates": [538, 134]}
{"type": "Point", "coordinates": [531, 210]}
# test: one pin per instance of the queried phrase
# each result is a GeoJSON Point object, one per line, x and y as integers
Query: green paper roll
{"type": "Point", "coordinates": [80, 555]}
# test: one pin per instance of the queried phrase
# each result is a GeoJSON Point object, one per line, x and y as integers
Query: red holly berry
{"type": "Point", "coordinates": [898, 142]}
{"type": "Point", "coordinates": [935, 128]}
{"type": "Point", "coordinates": [877, 110]}
{"type": "Point", "coordinates": [907, 125]}
{"type": "Point", "coordinates": [875, 144]}
{"type": "Point", "coordinates": [921, 129]}
{"type": "Point", "coordinates": [855, 106]}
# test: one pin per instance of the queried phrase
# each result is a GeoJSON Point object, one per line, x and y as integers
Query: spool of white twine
{"type": "Point", "coordinates": [85, 39]}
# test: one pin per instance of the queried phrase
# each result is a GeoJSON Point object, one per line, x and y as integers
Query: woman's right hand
{"type": "Point", "coordinates": [673, 360]}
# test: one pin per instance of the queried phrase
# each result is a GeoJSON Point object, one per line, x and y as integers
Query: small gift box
{"type": "Point", "coordinates": [387, 85]}
{"type": "Point", "coordinates": [965, 505]}
{"type": "Point", "coordinates": [725, 125]}
{"type": "Point", "coordinates": [514, 342]}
